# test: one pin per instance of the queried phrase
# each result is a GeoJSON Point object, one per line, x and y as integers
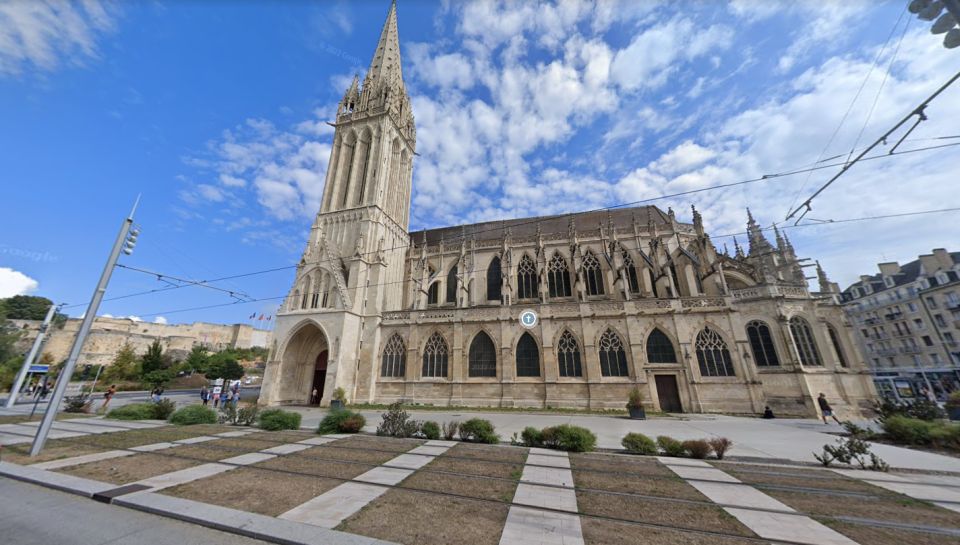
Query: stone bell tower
{"type": "Point", "coordinates": [327, 332]}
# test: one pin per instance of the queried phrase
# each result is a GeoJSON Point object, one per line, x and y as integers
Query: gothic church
{"type": "Point", "coordinates": [631, 296]}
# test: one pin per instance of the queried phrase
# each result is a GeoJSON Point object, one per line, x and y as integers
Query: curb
{"type": "Point", "coordinates": [215, 517]}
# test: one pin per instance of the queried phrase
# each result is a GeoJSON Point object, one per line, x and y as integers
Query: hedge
{"type": "Point", "coordinates": [194, 414]}
{"type": "Point", "coordinates": [279, 419]}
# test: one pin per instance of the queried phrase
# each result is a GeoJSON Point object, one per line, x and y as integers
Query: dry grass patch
{"type": "Point", "coordinates": [304, 462]}
{"type": "Point", "coordinates": [812, 479]}
{"type": "Point", "coordinates": [418, 518]}
{"type": "Point", "coordinates": [618, 463]}
{"type": "Point", "coordinates": [17, 419]}
{"type": "Point", "coordinates": [367, 442]}
{"type": "Point", "coordinates": [869, 535]}
{"type": "Point", "coordinates": [450, 461]}
{"type": "Point", "coordinates": [901, 509]}
{"type": "Point", "coordinates": [606, 532]}
{"type": "Point", "coordinates": [517, 455]}
{"type": "Point", "coordinates": [286, 436]}
{"type": "Point", "coordinates": [220, 448]}
{"type": "Point", "coordinates": [474, 485]}
{"type": "Point", "coordinates": [255, 490]}
{"type": "Point", "coordinates": [129, 468]}
{"type": "Point", "coordinates": [677, 514]}
{"type": "Point", "coordinates": [336, 451]}
{"type": "Point", "coordinates": [127, 439]}
{"type": "Point", "coordinates": [666, 484]}
{"type": "Point", "coordinates": [20, 454]}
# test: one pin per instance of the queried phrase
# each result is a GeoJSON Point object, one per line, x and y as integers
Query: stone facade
{"type": "Point", "coordinates": [108, 335]}
{"type": "Point", "coordinates": [626, 297]}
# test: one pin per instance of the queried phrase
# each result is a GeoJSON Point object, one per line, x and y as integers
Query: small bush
{"type": "Point", "coordinates": [193, 414]}
{"type": "Point", "coordinates": [569, 438]}
{"type": "Point", "coordinates": [671, 446]}
{"type": "Point", "coordinates": [910, 431]}
{"type": "Point", "coordinates": [163, 409]}
{"type": "Point", "coordinates": [450, 429]}
{"type": "Point", "coordinates": [478, 430]}
{"type": "Point", "coordinates": [248, 415]}
{"type": "Point", "coordinates": [279, 419]}
{"type": "Point", "coordinates": [635, 398]}
{"type": "Point", "coordinates": [77, 404]}
{"type": "Point", "coordinates": [342, 421]}
{"type": "Point", "coordinates": [133, 411]}
{"type": "Point", "coordinates": [697, 448]}
{"type": "Point", "coordinates": [430, 430]}
{"type": "Point", "coordinates": [638, 443]}
{"type": "Point", "coordinates": [396, 422]}
{"type": "Point", "coordinates": [532, 437]}
{"type": "Point", "coordinates": [353, 423]}
{"type": "Point", "coordinates": [720, 446]}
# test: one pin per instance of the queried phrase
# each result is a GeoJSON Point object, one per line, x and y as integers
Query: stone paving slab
{"type": "Point", "coordinates": [548, 452]}
{"type": "Point", "coordinates": [526, 526]}
{"type": "Point", "coordinates": [317, 440]}
{"type": "Point", "coordinates": [546, 497]}
{"type": "Point", "coordinates": [670, 461]}
{"type": "Point", "coordinates": [429, 450]}
{"type": "Point", "coordinates": [387, 476]}
{"type": "Point", "coordinates": [441, 443]}
{"type": "Point", "coordinates": [926, 492]}
{"type": "Point", "coordinates": [30, 431]}
{"type": "Point", "coordinates": [942, 480]}
{"type": "Point", "coordinates": [552, 461]}
{"type": "Point", "coordinates": [237, 433]}
{"type": "Point", "coordinates": [738, 495]}
{"type": "Point", "coordinates": [194, 440]}
{"type": "Point", "coordinates": [332, 507]}
{"type": "Point", "coordinates": [951, 506]}
{"type": "Point", "coordinates": [409, 461]}
{"type": "Point", "coordinates": [703, 473]}
{"type": "Point", "coordinates": [86, 458]}
{"type": "Point", "coordinates": [182, 476]}
{"type": "Point", "coordinates": [871, 476]}
{"type": "Point", "coordinates": [285, 449]}
{"type": "Point", "coordinates": [125, 424]}
{"type": "Point", "coordinates": [248, 459]}
{"type": "Point", "coordinates": [153, 447]}
{"type": "Point", "coordinates": [8, 439]}
{"type": "Point", "coordinates": [793, 528]}
{"type": "Point", "coordinates": [57, 481]}
{"type": "Point", "coordinates": [91, 429]}
{"type": "Point", "coordinates": [547, 475]}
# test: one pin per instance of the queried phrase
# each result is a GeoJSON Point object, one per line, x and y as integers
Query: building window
{"type": "Point", "coordinates": [912, 307]}
{"type": "Point", "coordinates": [494, 280]}
{"type": "Point", "coordinates": [452, 285]}
{"type": "Point", "coordinates": [394, 360]}
{"type": "Point", "coordinates": [927, 340]}
{"type": "Point", "coordinates": [435, 357]}
{"type": "Point", "coordinates": [940, 321]}
{"type": "Point", "coordinates": [918, 322]}
{"type": "Point", "coordinates": [433, 293]}
{"type": "Point", "coordinates": [527, 282]}
{"type": "Point", "coordinates": [659, 348]}
{"type": "Point", "coordinates": [613, 358]}
{"type": "Point", "coordinates": [483, 357]}
{"type": "Point", "coordinates": [804, 341]}
{"type": "Point", "coordinates": [558, 276]}
{"type": "Point", "coordinates": [761, 342]}
{"type": "Point", "coordinates": [712, 355]}
{"type": "Point", "coordinates": [837, 345]}
{"type": "Point", "coordinates": [931, 302]}
{"type": "Point", "coordinates": [592, 274]}
{"type": "Point", "coordinates": [936, 359]}
{"type": "Point", "coordinates": [528, 357]}
{"type": "Point", "coordinates": [632, 280]}
{"type": "Point", "coordinates": [568, 356]}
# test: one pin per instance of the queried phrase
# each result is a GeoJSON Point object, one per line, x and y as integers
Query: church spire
{"type": "Point", "coordinates": [385, 65]}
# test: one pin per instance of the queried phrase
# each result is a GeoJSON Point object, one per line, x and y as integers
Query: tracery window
{"type": "Point", "coordinates": [659, 348]}
{"type": "Point", "coordinates": [761, 343]}
{"type": "Point", "coordinates": [592, 274]}
{"type": "Point", "coordinates": [494, 280]}
{"type": "Point", "coordinates": [837, 345]}
{"type": "Point", "coordinates": [568, 356]}
{"type": "Point", "coordinates": [712, 355]}
{"type": "Point", "coordinates": [804, 341]}
{"type": "Point", "coordinates": [435, 357]}
{"type": "Point", "coordinates": [633, 281]}
{"type": "Point", "coordinates": [527, 281]}
{"type": "Point", "coordinates": [394, 359]}
{"type": "Point", "coordinates": [483, 357]}
{"type": "Point", "coordinates": [452, 285]}
{"type": "Point", "coordinates": [558, 276]}
{"type": "Point", "coordinates": [613, 358]}
{"type": "Point", "coordinates": [528, 356]}
{"type": "Point", "coordinates": [433, 293]}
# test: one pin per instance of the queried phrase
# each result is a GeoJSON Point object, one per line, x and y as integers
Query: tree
{"type": "Point", "coordinates": [154, 359]}
{"type": "Point", "coordinates": [198, 360]}
{"type": "Point", "coordinates": [223, 365]}
{"type": "Point", "coordinates": [25, 307]}
{"type": "Point", "coordinates": [125, 366]}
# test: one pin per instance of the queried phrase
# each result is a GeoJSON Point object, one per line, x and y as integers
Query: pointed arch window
{"type": "Point", "coordinates": [527, 281]}
{"type": "Point", "coordinates": [761, 343]}
{"type": "Point", "coordinates": [804, 341]}
{"type": "Point", "coordinates": [633, 281]}
{"type": "Point", "coordinates": [568, 356]}
{"type": "Point", "coordinates": [660, 348]}
{"type": "Point", "coordinates": [435, 357]}
{"type": "Point", "coordinates": [394, 359]}
{"type": "Point", "coordinates": [528, 356]}
{"type": "Point", "coordinates": [558, 276]}
{"type": "Point", "coordinates": [712, 355]}
{"type": "Point", "coordinates": [593, 275]}
{"type": "Point", "coordinates": [494, 279]}
{"type": "Point", "coordinates": [837, 345]}
{"type": "Point", "coordinates": [613, 358]}
{"type": "Point", "coordinates": [483, 357]}
{"type": "Point", "coordinates": [452, 285]}
{"type": "Point", "coordinates": [433, 293]}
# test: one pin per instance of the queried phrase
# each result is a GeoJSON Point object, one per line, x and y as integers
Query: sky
{"type": "Point", "coordinates": [216, 113]}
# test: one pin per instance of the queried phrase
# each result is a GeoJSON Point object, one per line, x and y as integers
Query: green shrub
{"type": "Point", "coordinates": [248, 415]}
{"type": "Point", "coordinates": [720, 446]}
{"type": "Point", "coordinates": [638, 443]}
{"type": "Point", "coordinates": [671, 447]}
{"type": "Point", "coordinates": [910, 431]}
{"type": "Point", "coordinates": [163, 409]}
{"type": "Point", "coordinates": [697, 448]}
{"type": "Point", "coordinates": [478, 430]}
{"type": "Point", "coordinates": [430, 430]}
{"type": "Point", "coordinates": [396, 422]}
{"type": "Point", "coordinates": [946, 435]}
{"type": "Point", "coordinates": [193, 414]}
{"type": "Point", "coordinates": [532, 437]}
{"type": "Point", "coordinates": [341, 421]}
{"type": "Point", "coordinates": [133, 411]}
{"type": "Point", "coordinates": [279, 419]}
{"type": "Point", "coordinates": [569, 438]}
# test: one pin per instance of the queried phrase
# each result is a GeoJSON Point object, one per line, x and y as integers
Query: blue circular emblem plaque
{"type": "Point", "coordinates": [528, 319]}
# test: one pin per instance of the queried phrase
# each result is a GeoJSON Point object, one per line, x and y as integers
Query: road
{"type": "Point", "coordinates": [40, 516]}
{"type": "Point", "coordinates": [182, 397]}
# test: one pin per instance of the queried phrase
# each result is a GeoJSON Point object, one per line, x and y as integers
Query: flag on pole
{"type": "Point", "coordinates": [260, 318]}
{"type": "Point", "coordinates": [252, 316]}
{"type": "Point", "coordinates": [268, 317]}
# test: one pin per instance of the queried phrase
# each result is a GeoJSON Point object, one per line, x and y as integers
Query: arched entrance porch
{"type": "Point", "coordinates": [304, 366]}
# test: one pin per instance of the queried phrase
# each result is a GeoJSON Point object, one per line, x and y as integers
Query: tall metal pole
{"type": "Point", "coordinates": [32, 355]}
{"type": "Point", "coordinates": [64, 379]}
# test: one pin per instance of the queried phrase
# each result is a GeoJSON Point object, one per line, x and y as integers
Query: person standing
{"type": "Point", "coordinates": [204, 394]}
{"type": "Point", "coordinates": [216, 397]}
{"type": "Point", "coordinates": [108, 395]}
{"type": "Point", "coordinates": [825, 409]}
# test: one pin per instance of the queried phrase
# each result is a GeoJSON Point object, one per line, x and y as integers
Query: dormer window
{"type": "Point", "coordinates": [887, 281]}
{"type": "Point", "coordinates": [941, 278]}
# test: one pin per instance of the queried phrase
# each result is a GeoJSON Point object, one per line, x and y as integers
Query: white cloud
{"type": "Point", "coordinates": [15, 283]}
{"type": "Point", "coordinates": [45, 34]}
{"type": "Point", "coordinates": [160, 320]}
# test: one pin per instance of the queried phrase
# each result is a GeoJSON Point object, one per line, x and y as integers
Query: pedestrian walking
{"type": "Point", "coordinates": [825, 409]}
{"type": "Point", "coordinates": [108, 395]}
{"type": "Point", "coordinates": [155, 395]}
{"type": "Point", "coordinates": [204, 394]}
{"type": "Point", "coordinates": [216, 397]}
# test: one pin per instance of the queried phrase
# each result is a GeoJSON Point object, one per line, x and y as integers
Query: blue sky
{"type": "Point", "coordinates": [216, 112]}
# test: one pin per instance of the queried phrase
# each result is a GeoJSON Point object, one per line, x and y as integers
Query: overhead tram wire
{"type": "Point", "coordinates": [763, 178]}
{"type": "Point", "coordinates": [475, 269]}
{"type": "Point", "coordinates": [184, 282]}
